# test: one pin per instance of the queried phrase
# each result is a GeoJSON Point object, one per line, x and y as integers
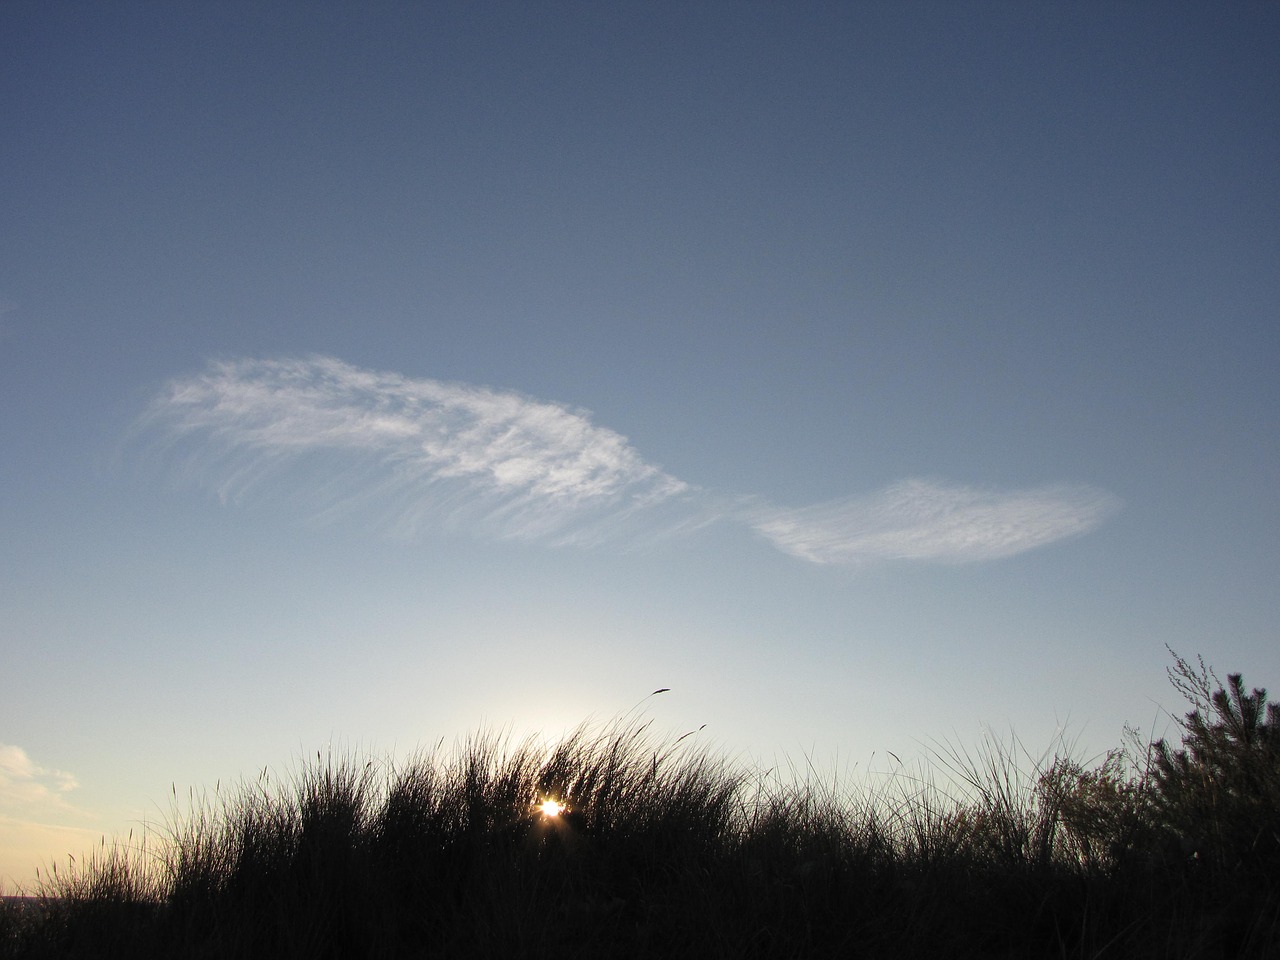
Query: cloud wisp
{"type": "Point", "coordinates": [338, 441]}
{"type": "Point", "coordinates": [23, 783]}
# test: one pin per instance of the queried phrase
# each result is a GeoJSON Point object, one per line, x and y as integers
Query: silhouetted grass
{"type": "Point", "coordinates": [664, 850]}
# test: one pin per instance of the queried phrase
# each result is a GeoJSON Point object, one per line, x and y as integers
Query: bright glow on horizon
{"type": "Point", "coordinates": [551, 808]}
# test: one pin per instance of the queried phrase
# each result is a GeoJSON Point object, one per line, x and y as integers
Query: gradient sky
{"type": "Point", "coordinates": [865, 373]}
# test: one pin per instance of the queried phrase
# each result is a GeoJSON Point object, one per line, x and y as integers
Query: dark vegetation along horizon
{"type": "Point", "coordinates": [658, 848]}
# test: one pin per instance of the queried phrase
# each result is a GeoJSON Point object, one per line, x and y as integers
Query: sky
{"type": "Point", "coordinates": [873, 376]}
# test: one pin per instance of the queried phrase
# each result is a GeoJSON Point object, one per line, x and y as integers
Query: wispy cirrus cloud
{"type": "Point", "coordinates": [337, 440]}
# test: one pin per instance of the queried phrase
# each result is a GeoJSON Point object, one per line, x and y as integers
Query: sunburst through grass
{"type": "Point", "coordinates": [551, 808]}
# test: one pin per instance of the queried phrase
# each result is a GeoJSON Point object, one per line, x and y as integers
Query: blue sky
{"type": "Point", "coordinates": [863, 373]}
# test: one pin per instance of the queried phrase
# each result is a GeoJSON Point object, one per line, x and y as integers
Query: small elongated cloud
{"type": "Point", "coordinates": [926, 520]}
{"type": "Point", "coordinates": [335, 441]}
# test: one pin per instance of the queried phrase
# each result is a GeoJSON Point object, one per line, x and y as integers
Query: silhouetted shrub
{"type": "Point", "coordinates": [1219, 794]}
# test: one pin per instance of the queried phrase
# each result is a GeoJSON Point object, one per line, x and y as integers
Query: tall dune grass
{"type": "Point", "coordinates": [663, 849]}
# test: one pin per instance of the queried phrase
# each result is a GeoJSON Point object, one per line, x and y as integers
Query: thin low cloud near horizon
{"type": "Point", "coordinates": [409, 455]}
{"type": "Point", "coordinates": [25, 783]}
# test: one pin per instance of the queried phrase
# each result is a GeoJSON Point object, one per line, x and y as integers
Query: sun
{"type": "Point", "coordinates": [551, 808]}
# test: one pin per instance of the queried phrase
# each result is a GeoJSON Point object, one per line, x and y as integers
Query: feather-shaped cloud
{"type": "Point", "coordinates": [336, 440]}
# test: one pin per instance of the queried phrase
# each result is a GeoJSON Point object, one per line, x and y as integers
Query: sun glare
{"type": "Point", "coordinates": [551, 808]}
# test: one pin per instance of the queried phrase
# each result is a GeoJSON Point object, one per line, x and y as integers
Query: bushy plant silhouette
{"type": "Point", "coordinates": [1217, 796]}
